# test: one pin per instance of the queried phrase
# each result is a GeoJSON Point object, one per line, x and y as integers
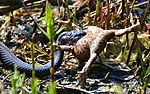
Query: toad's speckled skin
{"type": "Point", "coordinates": [88, 47]}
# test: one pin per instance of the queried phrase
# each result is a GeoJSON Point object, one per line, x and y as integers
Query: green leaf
{"type": "Point", "coordinates": [49, 19]}
{"type": "Point", "coordinates": [52, 88]}
{"type": "Point", "coordinates": [59, 31]}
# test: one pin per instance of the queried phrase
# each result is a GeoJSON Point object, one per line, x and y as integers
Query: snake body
{"type": "Point", "coordinates": [8, 59]}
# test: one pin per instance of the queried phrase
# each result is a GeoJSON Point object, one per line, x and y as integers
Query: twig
{"type": "Point", "coordinates": [123, 9]}
{"type": "Point", "coordinates": [34, 20]}
{"type": "Point", "coordinates": [7, 76]}
{"type": "Point", "coordinates": [108, 15]}
{"type": "Point", "coordinates": [137, 5]}
{"type": "Point", "coordinates": [131, 7]}
{"type": "Point", "coordinates": [127, 23]}
{"type": "Point", "coordinates": [17, 5]}
{"type": "Point", "coordinates": [9, 9]}
{"type": "Point", "coordinates": [25, 89]}
{"type": "Point", "coordinates": [145, 14]}
{"type": "Point", "coordinates": [68, 14]}
{"type": "Point", "coordinates": [131, 48]}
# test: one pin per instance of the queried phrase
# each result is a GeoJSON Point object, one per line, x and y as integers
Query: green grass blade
{"type": "Point", "coordinates": [49, 19]}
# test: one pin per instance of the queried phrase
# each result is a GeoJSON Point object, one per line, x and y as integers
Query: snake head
{"type": "Point", "coordinates": [70, 37]}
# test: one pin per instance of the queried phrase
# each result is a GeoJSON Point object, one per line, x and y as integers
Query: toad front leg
{"type": "Point", "coordinates": [82, 74]}
{"type": "Point", "coordinates": [96, 46]}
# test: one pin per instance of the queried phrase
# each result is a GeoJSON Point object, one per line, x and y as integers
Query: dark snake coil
{"type": "Point", "coordinates": [8, 59]}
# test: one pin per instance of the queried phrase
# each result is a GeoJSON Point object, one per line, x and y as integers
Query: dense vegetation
{"type": "Point", "coordinates": [30, 28]}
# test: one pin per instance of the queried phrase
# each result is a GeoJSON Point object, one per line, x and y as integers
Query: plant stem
{"type": "Point", "coordinates": [108, 15]}
{"type": "Point", "coordinates": [127, 23]}
{"type": "Point", "coordinates": [68, 14]}
{"type": "Point", "coordinates": [97, 11]}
